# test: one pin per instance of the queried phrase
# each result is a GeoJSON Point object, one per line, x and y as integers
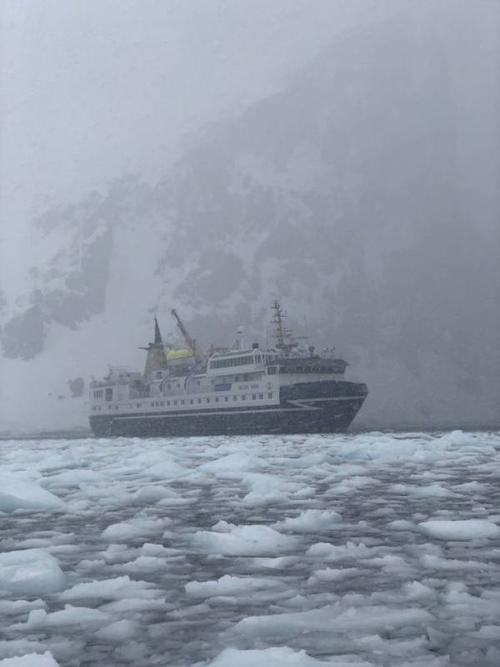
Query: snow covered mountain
{"type": "Point", "coordinates": [343, 194]}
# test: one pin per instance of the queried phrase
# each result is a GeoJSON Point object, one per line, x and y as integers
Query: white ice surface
{"type": "Point", "coordinates": [45, 659]}
{"type": "Point", "coordinates": [109, 589]}
{"type": "Point", "coordinates": [467, 529]}
{"type": "Point", "coordinates": [30, 572]}
{"type": "Point", "coordinates": [18, 493]}
{"type": "Point", "coordinates": [128, 530]}
{"type": "Point", "coordinates": [244, 540]}
{"type": "Point", "coordinates": [69, 616]}
{"type": "Point", "coordinates": [276, 657]}
{"type": "Point", "coordinates": [227, 585]}
{"type": "Point", "coordinates": [380, 550]}
{"type": "Point", "coordinates": [310, 521]}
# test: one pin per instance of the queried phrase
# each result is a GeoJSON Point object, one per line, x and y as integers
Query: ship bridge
{"type": "Point", "coordinates": [244, 361]}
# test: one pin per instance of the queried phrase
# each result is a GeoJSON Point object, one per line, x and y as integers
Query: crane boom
{"type": "Point", "coordinates": [190, 342]}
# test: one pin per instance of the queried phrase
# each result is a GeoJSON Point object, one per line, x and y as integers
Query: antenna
{"type": "Point", "coordinates": [283, 336]}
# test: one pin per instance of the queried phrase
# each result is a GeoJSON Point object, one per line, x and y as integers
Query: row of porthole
{"type": "Point", "coordinates": [161, 404]}
{"type": "Point", "coordinates": [182, 401]}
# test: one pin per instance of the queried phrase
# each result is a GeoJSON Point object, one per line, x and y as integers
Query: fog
{"type": "Point", "coordinates": [211, 156]}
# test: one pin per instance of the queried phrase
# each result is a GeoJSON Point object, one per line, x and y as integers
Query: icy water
{"type": "Point", "coordinates": [372, 549]}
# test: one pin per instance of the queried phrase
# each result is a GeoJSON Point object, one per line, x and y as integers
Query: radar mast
{"type": "Point", "coordinates": [285, 342]}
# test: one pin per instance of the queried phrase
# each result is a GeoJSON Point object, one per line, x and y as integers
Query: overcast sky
{"type": "Point", "coordinates": [92, 89]}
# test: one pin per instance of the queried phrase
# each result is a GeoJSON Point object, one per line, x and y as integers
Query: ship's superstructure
{"type": "Point", "coordinates": [239, 390]}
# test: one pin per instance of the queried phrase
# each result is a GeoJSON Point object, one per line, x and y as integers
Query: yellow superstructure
{"type": "Point", "coordinates": [174, 354]}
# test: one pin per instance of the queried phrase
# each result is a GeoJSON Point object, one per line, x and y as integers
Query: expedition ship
{"type": "Point", "coordinates": [232, 391]}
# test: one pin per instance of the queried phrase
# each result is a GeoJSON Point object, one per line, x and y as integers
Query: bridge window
{"type": "Point", "coordinates": [232, 362]}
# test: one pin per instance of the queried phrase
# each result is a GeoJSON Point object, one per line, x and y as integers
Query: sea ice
{"type": "Point", "coordinates": [232, 465]}
{"type": "Point", "coordinates": [338, 618]}
{"type": "Point", "coordinates": [374, 549]}
{"type": "Point", "coordinates": [109, 589]}
{"type": "Point", "coordinates": [465, 529]}
{"type": "Point", "coordinates": [350, 550]}
{"type": "Point", "coordinates": [152, 494]}
{"type": "Point", "coordinates": [120, 631]}
{"type": "Point", "coordinates": [251, 540]}
{"type": "Point", "coordinates": [278, 656]}
{"type": "Point", "coordinates": [69, 616]}
{"type": "Point", "coordinates": [130, 530]}
{"type": "Point", "coordinates": [425, 491]}
{"type": "Point", "coordinates": [30, 660]}
{"type": "Point", "coordinates": [30, 572]}
{"type": "Point", "coordinates": [310, 521]}
{"type": "Point", "coordinates": [332, 574]}
{"type": "Point", "coordinates": [16, 493]}
{"type": "Point", "coordinates": [265, 489]}
{"type": "Point", "coordinates": [228, 585]}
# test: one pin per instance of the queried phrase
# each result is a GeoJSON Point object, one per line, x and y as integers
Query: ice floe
{"type": "Point", "coordinates": [244, 540]}
{"type": "Point", "coordinates": [465, 529]}
{"type": "Point", "coordinates": [279, 656]}
{"type": "Point", "coordinates": [69, 616]}
{"type": "Point", "coordinates": [30, 660]}
{"type": "Point", "coordinates": [370, 550]}
{"type": "Point", "coordinates": [109, 589]}
{"type": "Point", "coordinates": [310, 521]}
{"type": "Point", "coordinates": [228, 585]}
{"type": "Point", "coordinates": [30, 572]}
{"type": "Point", "coordinates": [21, 494]}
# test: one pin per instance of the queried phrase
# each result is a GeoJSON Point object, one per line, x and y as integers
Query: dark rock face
{"type": "Point", "coordinates": [72, 285]}
{"type": "Point", "coordinates": [23, 336]}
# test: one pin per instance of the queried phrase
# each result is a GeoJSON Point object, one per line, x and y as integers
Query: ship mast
{"type": "Point", "coordinates": [283, 337]}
